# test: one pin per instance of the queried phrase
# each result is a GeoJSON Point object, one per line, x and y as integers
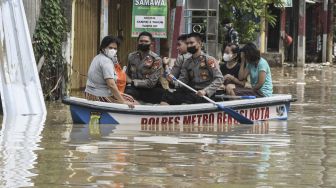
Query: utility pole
{"type": "Point", "coordinates": [282, 34]}
{"type": "Point", "coordinates": [178, 22]}
{"type": "Point", "coordinates": [104, 19]}
{"type": "Point", "coordinates": [262, 35]}
{"type": "Point", "coordinates": [325, 30]}
{"type": "Point", "coordinates": [330, 31]}
{"type": "Point", "coordinates": [301, 49]}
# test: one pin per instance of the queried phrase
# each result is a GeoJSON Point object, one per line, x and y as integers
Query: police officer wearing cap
{"type": "Point", "coordinates": [144, 71]}
{"type": "Point", "coordinates": [200, 71]}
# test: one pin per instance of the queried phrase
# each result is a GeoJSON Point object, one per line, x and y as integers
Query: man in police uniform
{"type": "Point", "coordinates": [144, 71]}
{"type": "Point", "coordinates": [183, 55]}
{"type": "Point", "coordinates": [200, 71]}
{"type": "Point", "coordinates": [181, 58]}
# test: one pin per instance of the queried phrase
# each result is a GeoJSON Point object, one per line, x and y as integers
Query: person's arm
{"type": "Point", "coordinates": [176, 69]}
{"type": "Point", "coordinates": [243, 71]}
{"type": "Point", "coordinates": [128, 71]}
{"type": "Point", "coordinates": [109, 75]}
{"type": "Point", "coordinates": [115, 92]}
{"type": "Point", "coordinates": [261, 80]}
{"type": "Point", "coordinates": [152, 79]}
{"type": "Point", "coordinates": [237, 81]}
{"type": "Point", "coordinates": [218, 79]}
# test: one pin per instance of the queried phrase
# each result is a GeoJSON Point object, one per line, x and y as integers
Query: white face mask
{"type": "Point", "coordinates": [227, 57]}
{"type": "Point", "coordinates": [111, 53]}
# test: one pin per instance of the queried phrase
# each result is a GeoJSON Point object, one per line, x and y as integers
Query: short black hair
{"type": "Point", "coordinates": [234, 47]}
{"type": "Point", "coordinates": [183, 37]}
{"type": "Point", "coordinates": [107, 41]}
{"type": "Point", "coordinates": [198, 36]}
{"type": "Point", "coordinates": [252, 53]}
{"type": "Point", "coordinates": [145, 33]}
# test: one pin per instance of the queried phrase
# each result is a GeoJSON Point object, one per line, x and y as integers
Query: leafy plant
{"type": "Point", "coordinates": [245, 16]}
{"type": "Point", "coordinates": [48, 37]}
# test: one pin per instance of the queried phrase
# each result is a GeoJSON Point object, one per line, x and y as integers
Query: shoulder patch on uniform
{"type": "Point", "coordinates": [154, 55]}
{"type": "Point", "coordinates": [211, 63]}
{"type": "Point", "coordinates": [148, 61]}
{"type": "Point", "coordinates": [156, 64]}
{"type": "Point", "coordinates": [132, 55]}
{"type": "Point", "coordinates": [201, 58]}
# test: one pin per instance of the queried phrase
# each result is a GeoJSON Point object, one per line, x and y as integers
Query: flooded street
{"type": "Point", "coordinates": [300, 152]}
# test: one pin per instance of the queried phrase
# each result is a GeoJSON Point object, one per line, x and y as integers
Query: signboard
{"type": "Point", "coordinates": [211, 118]}
{"type": "Point", "coordinates": [150, 16]}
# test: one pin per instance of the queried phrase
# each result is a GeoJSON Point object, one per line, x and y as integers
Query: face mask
{"type": "Point", "coordinates": [111, 53]}
{"type": "Point", "coordinates": [143, 47]}
{"type": "Point", "coordinates": [192, 49]}
{"type": "Point", "coordinates": [227, 57]}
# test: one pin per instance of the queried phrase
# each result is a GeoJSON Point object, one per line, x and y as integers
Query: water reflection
{"type": "Point", "coordinates": [19, 140]}
{"type": "Point", "coordinates": [135, 155]}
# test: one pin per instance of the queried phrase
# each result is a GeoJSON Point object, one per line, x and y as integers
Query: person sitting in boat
{"type": "Point", "coordinates": [144, 70]}
{"type": "Point", "coordinates": [183, 55]}
{"type": "Point", "coordinates": [258, 70]}
{"type": "Point", "coordinates": [101, 82]}
{"type": "Point", "coordinates": [230, 68]}
{"type": "Point", "coordinates": [181, 58]}
{"type": "Point", "coordinates": [200, 71]}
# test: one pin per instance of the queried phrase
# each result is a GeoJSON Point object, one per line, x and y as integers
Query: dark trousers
{"type": "Point", "coordinates": [148, 95]}
{"type": "Point", "coordinates": [181, 96]}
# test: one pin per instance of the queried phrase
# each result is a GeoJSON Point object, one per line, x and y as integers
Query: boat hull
{"type": "Point", "coordinates": [271, 108]}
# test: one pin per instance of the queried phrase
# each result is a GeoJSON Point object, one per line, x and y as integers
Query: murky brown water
{"type": "Point", "coordinates": [300, 152]}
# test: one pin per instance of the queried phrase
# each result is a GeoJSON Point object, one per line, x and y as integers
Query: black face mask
{"type": "Point", "coordinates": [143, 47]}
{"type": "Point", "coordinates": [192, 49]}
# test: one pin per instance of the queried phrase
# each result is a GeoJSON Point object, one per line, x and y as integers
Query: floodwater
{"type": "Point", "coordinates": [300, 152]}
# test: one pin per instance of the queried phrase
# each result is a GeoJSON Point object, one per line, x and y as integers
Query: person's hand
{"type": "Point", "coordinates": [165, 60]}
{"type": "Point", "coordinates": [201, 93]}
{"type": "Point", "coordinates": [129, 104]}
{"type": "Point", "coordinates": [128, 80]}
{"type": "Point", "coordinates": [169, 77]}
{"type": "Point", "coordinates": [228, 77]}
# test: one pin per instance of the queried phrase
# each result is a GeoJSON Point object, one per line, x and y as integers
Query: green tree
{"type": "Point", "coordinates": [245, 16]}
{"type": "Point", "coordinates": [49, 36]}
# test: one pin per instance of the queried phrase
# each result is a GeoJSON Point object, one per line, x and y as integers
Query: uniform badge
{"type": "Point", "coordinates": [204, 75]}
{"type": "Point", "coordinates": [156, 64]}
{"type": "Point", "coordinates": [202, 60]}
{"type": "Point", "coordinates": [148, 61]}
{"type": "Point", "coordinates": [211, 63]}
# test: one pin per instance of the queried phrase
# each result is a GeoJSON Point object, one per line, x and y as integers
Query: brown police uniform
{"type": "Point", "coordinates": [201, 73]}
{"type": "Point", "coordinates": [145, 71]}
{"type": "Point", "coordinates": [176, 69]}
